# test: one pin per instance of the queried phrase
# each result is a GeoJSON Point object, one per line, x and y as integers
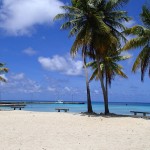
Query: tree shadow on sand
{"type": "Point", "coordinates": [112, 115]}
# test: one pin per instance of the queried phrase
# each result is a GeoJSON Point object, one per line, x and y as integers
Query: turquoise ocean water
{"type": "Point", "coordinates": [115, 107]}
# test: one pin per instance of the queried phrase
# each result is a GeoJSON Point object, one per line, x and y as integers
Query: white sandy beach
{"type": "Point", "coordinates": [21, 130]}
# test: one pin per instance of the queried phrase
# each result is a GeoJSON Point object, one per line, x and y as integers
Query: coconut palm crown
{"type": "Point", "coordinates": [141, 40]}
{"type": "Point", "coordinates": [95, 23]}
{"type": "Point", "coordinates": [109, 66]}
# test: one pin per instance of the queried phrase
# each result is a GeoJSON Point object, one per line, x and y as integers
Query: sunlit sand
{"type": "Point", "coordinates": [21, 130]}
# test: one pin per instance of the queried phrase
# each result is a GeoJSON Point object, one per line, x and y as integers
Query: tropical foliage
{"type": "Point", "coordinates": [2, 71]}
{"type": "Point", "coordinates": [95, 25]}
{"type": "Point", "coordinates": [109, 67]}
{"type": "Point", "coordinates": [141, 40]}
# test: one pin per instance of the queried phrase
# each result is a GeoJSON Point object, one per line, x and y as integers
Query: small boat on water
{"type": "Point", "coordinates": [60, 102]}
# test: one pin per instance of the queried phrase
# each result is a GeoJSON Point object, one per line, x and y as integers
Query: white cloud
{"type": "Point", "coordinates": [33, 87]}
{"type": "Point", "coordinates": [19, 83]}
{"type": "Point", "coordinates": [129, 24]}
{"type": "Point", "coordinates": [61, 64]}
{"type": "Point", "coordinates": [19, 76]}
{"type": "Point", "coordinates": [51, 89]}
{"type": "Point", "coordinates": [18, 17]}
{"type": "Point", "coordinates": [126, 53]}
{"type": "Point", "coordinates": [29, 51]}
{"type": "Point", "coordinates": [67, 89]}
{"type": "Point", "coordinates": [130, 60]}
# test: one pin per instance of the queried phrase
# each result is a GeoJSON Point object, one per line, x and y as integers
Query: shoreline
{"type": "Point", "coordinates": [94, 114]}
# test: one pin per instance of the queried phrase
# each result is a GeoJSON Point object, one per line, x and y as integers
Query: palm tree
{"type": "Point", "coordinates": [95, 24]}
{"type": "Point", "coordinates": [72, 32]}
{"type": "Point", "coordinates": [109, 67]}
{"type": "Point", "coordinates": [89, 103]}
{"type": "Point", "coordinates": [2, 71]}
{"type": "Point", "coordinates": [142, 40]}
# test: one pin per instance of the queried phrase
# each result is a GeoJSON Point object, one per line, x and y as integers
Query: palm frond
{"type": "Point", "coordinates": [135, 43]}
{"type": "Point", "coordinates": [94, 75]}
{"type": "Point", "coordinates": [2, 79]}
{"type": "Point", "coordinates": [142, 61]}
{"type": "Point", "coordinates": [3, 70]}
{"type": "Point", "coordinates": [145, 16]}
{"type": "Point", "coordinates": [116, 4]}
{"type": "Point", "coordinates": [136, 30]}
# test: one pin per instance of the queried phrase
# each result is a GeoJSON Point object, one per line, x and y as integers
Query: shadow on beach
{"type": "Point", "coordinates": [112, 115]}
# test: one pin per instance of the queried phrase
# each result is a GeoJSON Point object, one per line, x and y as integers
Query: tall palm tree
{"type": "Point", "coordinates": [89, 103]}
{"type": "Point", "coordinates": [142, 40]}
{"type": "Point", "coordinates": [2, 71]}
{"type": "Point", "coordinates": [95, 24]}
{"type": "Point", "coordinates": [109, 67]}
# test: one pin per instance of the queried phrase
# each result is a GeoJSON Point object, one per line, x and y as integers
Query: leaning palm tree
{"type": "Point", "coordinates": [109, 67]}
{"type": "Point", "coordinates": [142, 40]}
{"type": "Point", "coordinates": [2, 71]}
{"type": "Point", "coordinates": [95, 25]}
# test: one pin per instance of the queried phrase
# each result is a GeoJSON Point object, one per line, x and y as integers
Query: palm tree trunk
{"type": "Point", "coordinates": [106, 85]}
{"type": "Point", "coordinates": [89, 104]}
{"type": "Point", "coordinates": [107, 92]}
{"type": "Point", "coordinates": [103, 87]}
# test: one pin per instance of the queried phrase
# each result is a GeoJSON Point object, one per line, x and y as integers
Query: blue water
{"type": "Point", "coordinates": [118, 108]}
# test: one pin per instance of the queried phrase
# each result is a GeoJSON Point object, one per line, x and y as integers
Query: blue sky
{"type": "Point", "coordinates": [36, 52]}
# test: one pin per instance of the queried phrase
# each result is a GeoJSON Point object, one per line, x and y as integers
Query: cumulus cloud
{"type": "Point", "coordinates": [18, 17]}
{"type": "Point", "coordinates": [61, 64]}
{"type": "Point", "coordinates": [29, 51]}
{"type": "Point", "coordinates": [20, 83]}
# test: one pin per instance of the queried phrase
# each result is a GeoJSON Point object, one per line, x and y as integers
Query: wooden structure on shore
{"type": "Point", "coordinates": [140, 112]}
{"type": "Point", "coordinates": [18, 106]}
{"type": "Point", "coordinates": [13, 105]}
{"type": "Point", "coordinates": [63, 109]}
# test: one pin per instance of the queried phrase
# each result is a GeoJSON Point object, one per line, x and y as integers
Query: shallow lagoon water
{"type": "Point", "coordinates": [98, 107]}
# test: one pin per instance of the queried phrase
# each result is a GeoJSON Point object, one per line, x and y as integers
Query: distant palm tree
{"type": "Point", "coordinates": [95, 24]}
{"type": "Point", "coordinates": [2, 71]}
{"type": "Point", "coordinates": [109, 67]}
{"type": "Point", "coordinates": [142, 40]}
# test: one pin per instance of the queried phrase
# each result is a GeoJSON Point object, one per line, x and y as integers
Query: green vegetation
{"type": "Point", "coordinates": [142, 40]}
{"type": "Point", "coordinates": [109, 68]}
{"type": "Point", "coordinates": [95, 25]}
{"type": "Point", "coordinates": [99, 34]}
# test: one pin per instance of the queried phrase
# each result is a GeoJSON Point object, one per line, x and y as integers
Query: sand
{"type": "Point", "coordinates": [22, 130]}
